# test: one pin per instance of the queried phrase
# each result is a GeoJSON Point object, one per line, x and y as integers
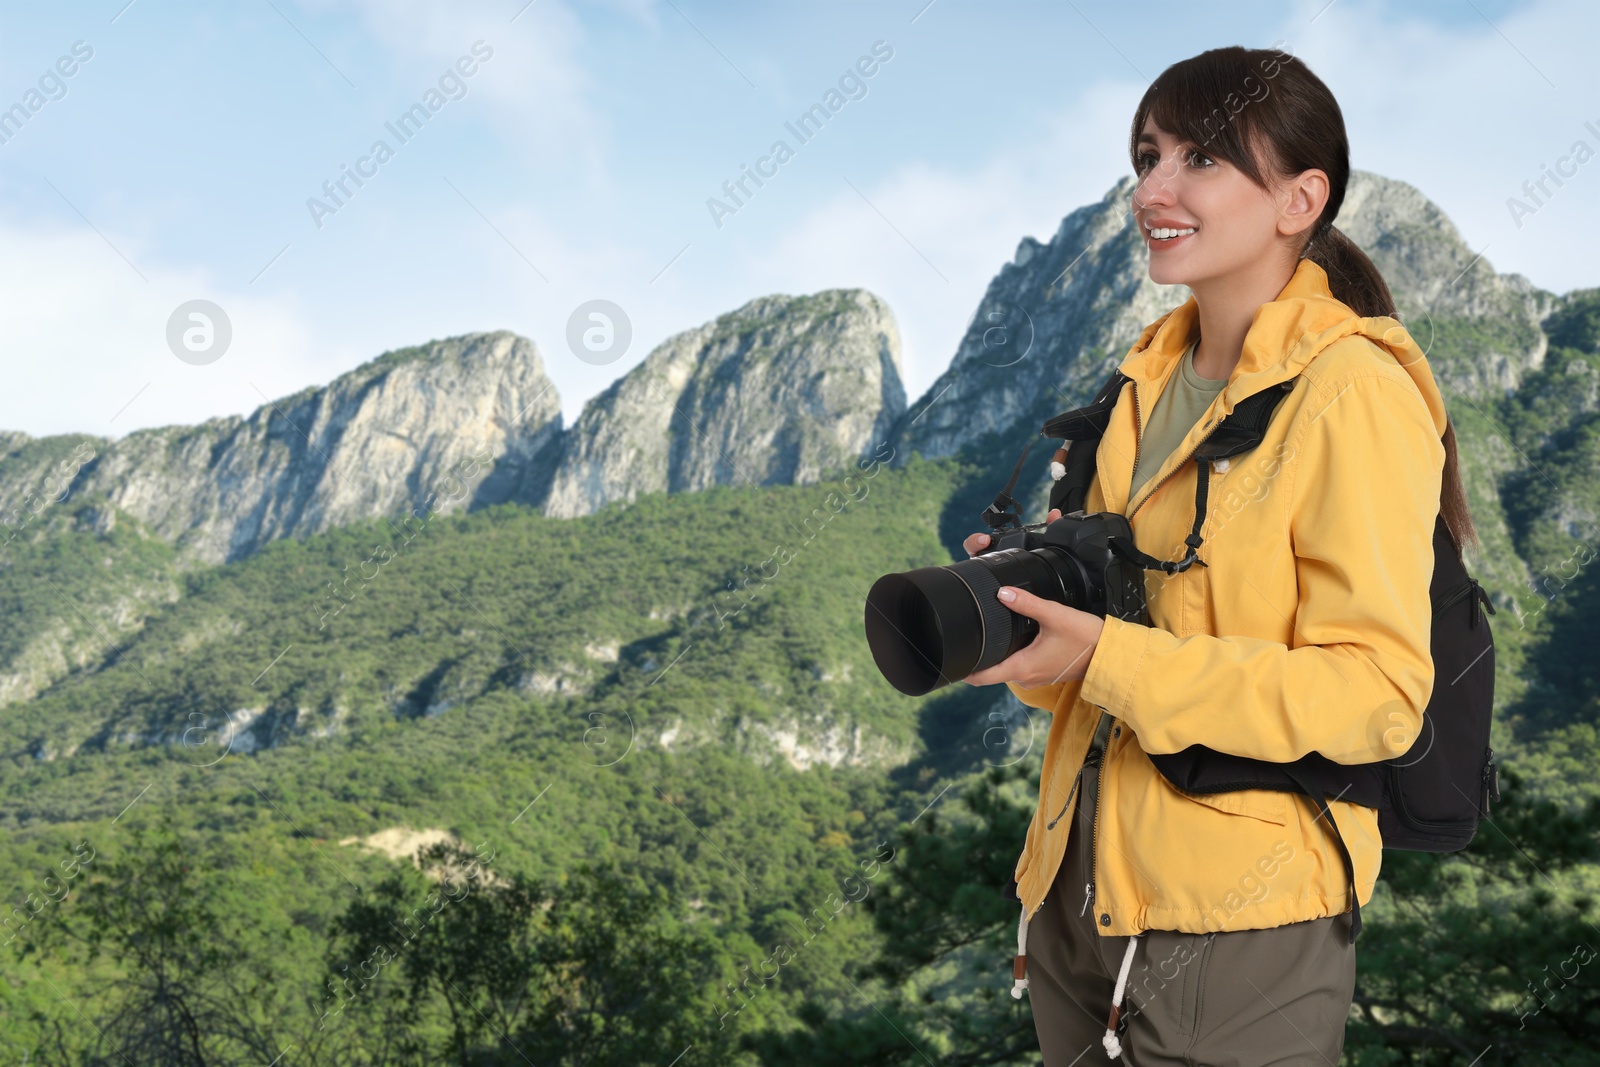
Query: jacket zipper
{"type": "Point", "coordinates": [1100, 763]}
{"type": "Point", "coordinates": [1094, 838]}
{"type": "Point", "coordinates": [1070, 794]}
{"type": "Point", "coordinates": [1095, 759]}
{"type": "Point", "coordinates": [1094, 820]}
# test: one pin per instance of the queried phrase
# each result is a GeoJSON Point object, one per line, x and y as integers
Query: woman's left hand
{"type": "Point", "coordinates": [1060, 652]}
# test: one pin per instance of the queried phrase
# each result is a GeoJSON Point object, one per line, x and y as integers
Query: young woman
{"type": "Point", "coordinates": [1224, 920]}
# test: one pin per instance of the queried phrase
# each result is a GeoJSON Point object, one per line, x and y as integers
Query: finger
{"type": "Point", "coordinates": [1017, 667]}
{"type": "Point", "coordinates": [1022, 602]}
{"type": "Point", "coordinates": [1004, 671]}
{"type": "Point", "coordinates": [1055, 513]}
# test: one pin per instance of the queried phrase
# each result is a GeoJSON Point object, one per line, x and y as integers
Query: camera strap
{"type": "Point", "coordinates": [1073, 468]}
{"type": "Point", "coordinates": [1005, 511]}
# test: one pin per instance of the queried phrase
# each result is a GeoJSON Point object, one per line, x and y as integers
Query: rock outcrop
{"type": "Point", "coordinates": [777, 392]}
{"type": "Point", "coordinates": [376, 441]}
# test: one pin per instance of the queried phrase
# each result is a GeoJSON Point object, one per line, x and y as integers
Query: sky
{"type": "Point", "coordinates": [172, 152]}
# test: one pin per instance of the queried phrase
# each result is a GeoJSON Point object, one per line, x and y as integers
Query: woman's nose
{"type": "Point", "coordinates": [1158, 184]}
{"type": "Point", "coordinates": [1153, 191]}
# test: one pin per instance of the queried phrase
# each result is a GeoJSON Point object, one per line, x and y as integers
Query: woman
{"type": "Point", "coordinates": [1224, 920]}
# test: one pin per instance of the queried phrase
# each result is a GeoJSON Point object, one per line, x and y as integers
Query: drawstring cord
{"type": "Point", "coordinates": [1019, 981]}
{"type": "Point", "coordinates": [1110, 1041]}
{"type": "Point", "coordinates": [1019, 963]}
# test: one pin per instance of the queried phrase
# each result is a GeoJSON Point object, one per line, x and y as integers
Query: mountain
{"type": "Point", "coordinates": [778, 392]}
{"type": "Point", "coordinates": [783, 390]}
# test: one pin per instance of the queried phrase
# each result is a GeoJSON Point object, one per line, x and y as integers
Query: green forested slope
{"type": "Point", "coordinates": [418, 705]}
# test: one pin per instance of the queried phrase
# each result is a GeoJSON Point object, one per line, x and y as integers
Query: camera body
{"type": "Point", "coordinates": [1106, 584]}
{"type": "Point", "coordinates": [933, 626]}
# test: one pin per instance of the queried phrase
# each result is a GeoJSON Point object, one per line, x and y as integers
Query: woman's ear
{"type": "Point", "coordinates": [1306, 196]}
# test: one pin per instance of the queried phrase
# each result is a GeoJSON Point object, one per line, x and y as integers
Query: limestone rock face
{"type": "Point", "coordinates": [1052, 325]}
{"type": "Point", "coordinates": [777, 392]}
{"type": "Point", "coordinates": [780, 391]}
{"type": "Point", "coordinates": [467, 420]}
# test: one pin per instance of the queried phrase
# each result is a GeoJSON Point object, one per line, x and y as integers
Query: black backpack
{"type": "Point", "coordinates": [1428, 800]}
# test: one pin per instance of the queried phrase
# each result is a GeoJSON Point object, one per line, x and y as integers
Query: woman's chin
{"type": "Point", "coordinates": [1165, 275]}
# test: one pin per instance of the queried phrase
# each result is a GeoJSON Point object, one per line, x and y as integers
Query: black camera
{"type": "Point", "coordinates": [933, 626]}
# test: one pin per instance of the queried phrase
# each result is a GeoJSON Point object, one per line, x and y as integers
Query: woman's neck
{"type": "Point", "coordinates": [1227, 308]}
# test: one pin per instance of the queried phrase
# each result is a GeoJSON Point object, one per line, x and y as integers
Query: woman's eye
{"type": "Point", "coordinates": [1144, 160]}
{"type": "Point", "coordinates": [1197, 154]}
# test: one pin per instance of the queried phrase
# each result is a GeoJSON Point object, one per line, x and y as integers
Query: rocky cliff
{"type": "Point", "coordinates": [374, 442]}
{"type": "Point", "coordinates": [776, 392]}
{"type": "Point", "coordinates": [779, 391]}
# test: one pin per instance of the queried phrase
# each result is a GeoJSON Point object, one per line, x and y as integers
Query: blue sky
{"type": "Point", "coordinates": [575, 162]}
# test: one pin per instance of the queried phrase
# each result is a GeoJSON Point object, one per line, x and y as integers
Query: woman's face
{"type": "Point", "coordinates": [1238, 226]}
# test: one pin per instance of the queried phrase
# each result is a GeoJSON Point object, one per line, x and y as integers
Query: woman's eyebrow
{"type": "Point", "coordinates": [1147, 139]}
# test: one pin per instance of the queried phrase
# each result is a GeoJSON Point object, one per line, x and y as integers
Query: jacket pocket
{"type": "Point", "coordinates": [1268, 805]}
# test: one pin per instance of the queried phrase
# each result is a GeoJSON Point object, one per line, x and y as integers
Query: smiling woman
{"type": "Point", "coordinates": [1306, 632]}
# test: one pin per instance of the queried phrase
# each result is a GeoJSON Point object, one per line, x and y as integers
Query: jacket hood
{"type": "Point", "coordinates": [1285, 335]}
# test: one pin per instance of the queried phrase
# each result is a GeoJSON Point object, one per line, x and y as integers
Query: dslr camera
{"type": "Point", "coordinates": [933, 626]}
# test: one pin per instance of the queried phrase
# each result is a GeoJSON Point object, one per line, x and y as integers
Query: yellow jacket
{"type": "Point", "coordinates": [1309, 630]}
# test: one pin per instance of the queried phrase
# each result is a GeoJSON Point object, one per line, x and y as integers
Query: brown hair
{"type": "Point", "coordinates": [1228, 101]}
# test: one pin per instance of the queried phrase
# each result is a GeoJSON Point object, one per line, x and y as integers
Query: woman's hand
{"type": "Point", "coordinates": [1060, 652]}
{"type": "Point", "coordinates": [977, 541]}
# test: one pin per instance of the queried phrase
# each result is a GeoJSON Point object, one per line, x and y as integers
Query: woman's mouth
{"type": "Point", "coordinates": [1164, 237]}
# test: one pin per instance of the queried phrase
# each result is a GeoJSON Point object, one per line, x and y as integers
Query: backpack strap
{"type": "Point", "coordinates": [1088, 424]}
{"type": "Point", "coordinates": [1073, 469]}
{"type": "Point", "coordinates": [1313, 791]}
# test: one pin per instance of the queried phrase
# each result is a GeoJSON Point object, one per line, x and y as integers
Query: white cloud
{"type": "Point", "coordinates": [1465, 114]}
{"type": "Point", "coordinates": [536, 82]}
{"type": "Point", "coordinates": [86, 336]}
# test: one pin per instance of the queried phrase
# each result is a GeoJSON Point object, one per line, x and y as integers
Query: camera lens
{"type": "Point", "coordinates": [933, 626]}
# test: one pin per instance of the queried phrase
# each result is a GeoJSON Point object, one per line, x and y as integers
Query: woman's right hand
{"type": "Point", "coordinates": [977, 542]}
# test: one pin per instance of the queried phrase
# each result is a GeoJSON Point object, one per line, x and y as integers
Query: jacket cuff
{"type": "Point", "coordinates": [1043, 697]}
{"type": "Point", "coordinates": [1114, 665]}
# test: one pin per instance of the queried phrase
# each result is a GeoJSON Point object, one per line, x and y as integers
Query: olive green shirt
{"type": "Point", "coordinates": [1180, 406]}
